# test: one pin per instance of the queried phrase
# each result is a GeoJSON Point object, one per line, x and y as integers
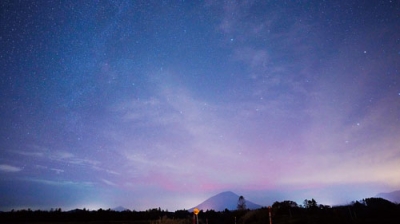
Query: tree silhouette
{"type": "Point", "coordinates": [310, 203]}
{"type": "Point", "coordinates": [241, 205]}
{"type": "Point", "coordinates": [285, 204]}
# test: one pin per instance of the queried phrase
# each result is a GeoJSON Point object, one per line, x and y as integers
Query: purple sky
{"type": "Point", "coordinates": [150, 104]}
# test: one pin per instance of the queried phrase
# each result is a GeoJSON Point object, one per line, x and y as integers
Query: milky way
{"type": "Point", "coordinates": [165, 103]}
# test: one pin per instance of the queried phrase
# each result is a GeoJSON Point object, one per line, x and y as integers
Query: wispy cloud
{"type": "Point", "coordinates": [59, 161]}
{"type": "Point", "coordinates": [26, 153]}
{"type": "Point", "coordinates": [9, 168]}
{"type": "Point", "coordinates": [60, 183]}
{"type": "Point", "coordinates": [108, 182]}
{"type": "Point", "coordinates": [202, 135]}
{"type": "Point", "coordinates": [60, 155]}
{"type": "Point", "coordinates": [106, 170]}
{"type": "Point", "coordinates": [58, 171]}
{"type": "Point", "coordinates": [44, 152]}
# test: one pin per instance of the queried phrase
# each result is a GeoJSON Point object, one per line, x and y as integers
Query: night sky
{"type": "Point", "coordinates": [149, 104]}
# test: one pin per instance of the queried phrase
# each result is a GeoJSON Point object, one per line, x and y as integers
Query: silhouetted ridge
{"type": "Point", "coordinates": [119, 209]}
{"type": "Point", "coordinates": [391, 196]}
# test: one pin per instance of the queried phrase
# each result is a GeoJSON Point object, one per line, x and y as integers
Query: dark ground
{"type": "Point", "coordinates": [367, 211]}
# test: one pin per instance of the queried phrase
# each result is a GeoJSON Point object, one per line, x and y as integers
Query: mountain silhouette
{"type": "Point", "coordinates": [225, 200]}
{"type": "Point", "coordinates": [120, 209]}
{"type": "Point", "coordinates": [391, 196]}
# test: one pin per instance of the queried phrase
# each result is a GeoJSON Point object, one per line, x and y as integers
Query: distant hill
{"type": "Point", "coordinates": [225, 200]}
{"type": "Point", "coordinates": [120, 209]}
{"type": "Point", "coordinates": [391, 196]}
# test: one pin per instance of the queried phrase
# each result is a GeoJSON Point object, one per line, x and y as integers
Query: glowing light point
{"type": "Point", "coordinates": [196, 212]}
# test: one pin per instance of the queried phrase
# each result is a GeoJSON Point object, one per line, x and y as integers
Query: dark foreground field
{"type": "Point", "coordinates": [368, 211]}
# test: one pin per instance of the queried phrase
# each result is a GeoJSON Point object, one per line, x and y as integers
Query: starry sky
{"type": "Point", "coordinates": [149, 104]}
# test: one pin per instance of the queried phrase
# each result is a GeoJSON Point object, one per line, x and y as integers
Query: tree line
{"type": "Point", "coordinates": [370, 210]}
